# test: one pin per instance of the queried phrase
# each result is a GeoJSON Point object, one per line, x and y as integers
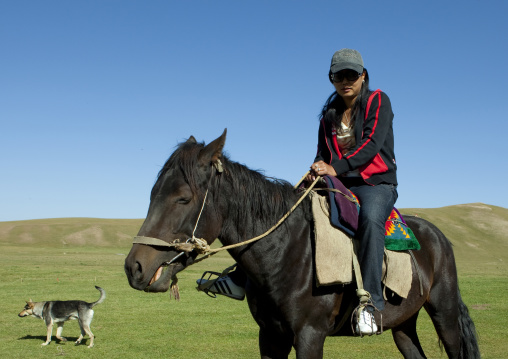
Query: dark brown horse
{"type": "Point", "coordinates": [289, 308]}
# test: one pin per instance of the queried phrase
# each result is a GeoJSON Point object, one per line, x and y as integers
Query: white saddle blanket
{"type": "Point", "coordinates": [334, 254]}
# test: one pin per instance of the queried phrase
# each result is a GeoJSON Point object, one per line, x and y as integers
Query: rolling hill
{"type": "Point", "coordinates": [477, 231]}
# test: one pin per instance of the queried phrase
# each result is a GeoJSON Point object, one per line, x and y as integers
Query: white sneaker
{"type": "Point", "coordinates": [366, 323]}
{"type": "Point", "coordinates": [224, 286]}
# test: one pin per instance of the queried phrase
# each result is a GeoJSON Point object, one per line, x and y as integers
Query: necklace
{"type": "Point", "coordinates": [345, 119]}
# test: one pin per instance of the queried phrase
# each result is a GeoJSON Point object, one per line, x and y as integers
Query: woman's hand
{"type": "Point", "coordinates": [320, 168]}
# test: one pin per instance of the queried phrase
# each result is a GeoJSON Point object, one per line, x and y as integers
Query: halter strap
{"type": "Point", "coordinates": [151, 241]}
{"type": "Point", "coordinates": [199, 244]}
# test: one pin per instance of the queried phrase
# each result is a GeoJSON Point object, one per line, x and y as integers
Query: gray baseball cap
{"type": "Point", "coordinates": [346, 59]}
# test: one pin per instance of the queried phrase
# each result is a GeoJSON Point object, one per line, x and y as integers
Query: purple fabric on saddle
{"type": "Point", "coordinates": [343, 212]}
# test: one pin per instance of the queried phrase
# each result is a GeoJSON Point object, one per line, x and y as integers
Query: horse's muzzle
{"type": "Point", "coordinates": [147, 268]}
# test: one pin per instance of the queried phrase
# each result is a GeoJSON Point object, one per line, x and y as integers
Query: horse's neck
{"type": "Point", "coordinates": [270, 259]}
{"type": "Point", "coordinates": [251, 206]}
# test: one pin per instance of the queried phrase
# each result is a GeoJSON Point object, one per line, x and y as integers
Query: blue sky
{"type": "Point", "coordinates": [95, 95]}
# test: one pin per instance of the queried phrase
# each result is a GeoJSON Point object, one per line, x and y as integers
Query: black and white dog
{"type": "Point", "coordinates": [61, 311]}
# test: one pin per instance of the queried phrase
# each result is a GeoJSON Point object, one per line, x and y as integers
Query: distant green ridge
{"type": "Point", "coordinates": [478, 232]}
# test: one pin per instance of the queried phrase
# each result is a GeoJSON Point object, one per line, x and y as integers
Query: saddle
{"type": "Point", "coordinates": [335, 248]}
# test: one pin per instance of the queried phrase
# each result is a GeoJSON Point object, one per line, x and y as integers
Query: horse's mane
{"type": "Point", "coordinates": [253, 199]}
{"type": "Point", "coordinates": [184, 157]}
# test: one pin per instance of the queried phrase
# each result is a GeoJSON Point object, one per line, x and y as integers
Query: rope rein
{"type": "Point", "coordinates": [201, 246]}
{"type": "Point", "coordinates": [211, 252]}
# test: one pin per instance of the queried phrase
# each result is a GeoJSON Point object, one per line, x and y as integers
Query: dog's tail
{"type": "Point", "coordinates": [101, 298]}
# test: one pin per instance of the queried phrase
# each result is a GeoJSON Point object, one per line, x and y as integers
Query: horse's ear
{"type": "Point", "coordinates": [212, 153]}
{"type": "Point", "coordinates": [192, 140]}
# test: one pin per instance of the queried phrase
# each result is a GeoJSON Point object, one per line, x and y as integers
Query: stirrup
{"type": "Point", "coordinates": [365, 301]}
{"type": "Point", "coordinates": [219, 283]}
{"type": "Point", "coordinates": [205, 284]}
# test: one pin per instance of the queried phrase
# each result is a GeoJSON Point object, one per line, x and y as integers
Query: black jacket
{"type": "Point", "coordinates": [374, 153]}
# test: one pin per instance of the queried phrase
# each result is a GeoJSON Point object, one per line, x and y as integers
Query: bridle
{"type": "Point", "coordinates": [200, 245]}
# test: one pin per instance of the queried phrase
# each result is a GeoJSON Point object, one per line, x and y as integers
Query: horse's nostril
{"type": "Point", "coordinates": [133, 269]}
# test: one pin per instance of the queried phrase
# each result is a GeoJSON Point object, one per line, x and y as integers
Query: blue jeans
{"type": "Point", "coordinates": [376, 204]}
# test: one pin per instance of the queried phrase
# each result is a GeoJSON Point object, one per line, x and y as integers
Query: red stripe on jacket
{"type": "Point", "coordinates": [371, 98]}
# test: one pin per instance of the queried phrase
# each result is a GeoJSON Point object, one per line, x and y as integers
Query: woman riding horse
{"type": "Point", "coordinates": [355, 144]}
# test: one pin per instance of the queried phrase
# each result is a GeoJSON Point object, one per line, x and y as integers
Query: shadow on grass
{"type": "Point", "coordinates": [42, 338]}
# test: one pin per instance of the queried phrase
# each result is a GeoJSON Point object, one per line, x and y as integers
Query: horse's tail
{"type": "Point", "coordinates": [469, 348]}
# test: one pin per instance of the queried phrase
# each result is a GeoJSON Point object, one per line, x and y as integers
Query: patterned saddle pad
{"type": "Point", "coordinates": [398, 236]}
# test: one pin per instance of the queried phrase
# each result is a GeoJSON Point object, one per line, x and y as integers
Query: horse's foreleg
{"type": "Point", "coordinates": [274, 346]}
{"type": "Point", "coordinates": [309, 343]}
{"type": "Point", "coordinates": [406, 339]}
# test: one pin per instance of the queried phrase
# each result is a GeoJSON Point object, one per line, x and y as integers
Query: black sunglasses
{"type": "Point", "coordinates": [350, 75]}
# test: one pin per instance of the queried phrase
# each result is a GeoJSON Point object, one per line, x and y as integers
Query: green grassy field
{"type": "Point", "coordinates": [64, 258]}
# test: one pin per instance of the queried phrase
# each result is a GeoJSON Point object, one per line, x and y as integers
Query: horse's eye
{"type": "Point", "coordinates": [183, 200]}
